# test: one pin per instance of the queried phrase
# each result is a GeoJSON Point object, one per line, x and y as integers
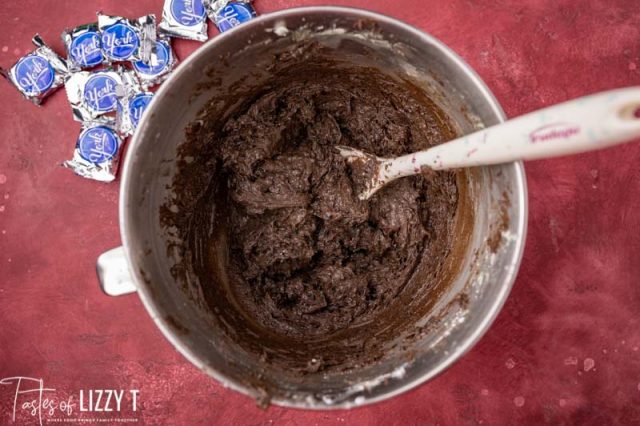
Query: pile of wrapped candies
{"type": "Point", "coordinates": [111, 67]}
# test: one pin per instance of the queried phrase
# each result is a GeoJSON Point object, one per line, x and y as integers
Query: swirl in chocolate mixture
{"type": "Point", "coordinates": [306, 257]}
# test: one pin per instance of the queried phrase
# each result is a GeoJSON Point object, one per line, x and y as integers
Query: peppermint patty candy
{"type": "Point", "coordinates": [184, 19]}
{"type": "Point", "coordinates": [37, 74]}
{"type": "Point", "coordinates": [97, 153]}
{"type": "Point", "coordinates": [126, 40]}
{"type": "Point", "coordinates": [94, 95]}
{"type": "Point", "coordinates": [162, 62]}
{"type": "Point", "coordinates": [84, 47]}
{"type": "Point", "coordinates": [132, 104]}
{"type": "Point", "coordinates": [130, 110]}
{"type": "Point", "coordinates": [228, 14]}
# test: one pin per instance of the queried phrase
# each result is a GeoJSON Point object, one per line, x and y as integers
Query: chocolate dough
{"type": "Point", "coordinates": [306, 258]}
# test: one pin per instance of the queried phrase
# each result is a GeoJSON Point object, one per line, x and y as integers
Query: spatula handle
{"type": "Point", "coordinates": [583, 124]}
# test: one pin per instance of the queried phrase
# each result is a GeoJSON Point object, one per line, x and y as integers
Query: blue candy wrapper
{"type": "Point", "coordinates": [227, 14]}
{"type": "Point", "coordinates": [37, 74]}
{"type": "Point", "coordinates": [127, 40]}
{"type": "Point", "coordinates": [132, 104]}
{"type": "Point", "coordinates": [160, 65]}
{"type": "Point", "coordinates": [97, 152]}
{"type": "Point", "coordinates": [184, 19]}
{"type": "Point", "coordinates": [84, 47]}
{"type": "Point", "coordinates": [94, 95]}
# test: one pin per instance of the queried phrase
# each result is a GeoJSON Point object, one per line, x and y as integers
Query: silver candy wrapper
{"type": "Point", "coordinates": [94, 95]}
{"type": "Point", "coordinates": [132, 104]}
{"type": "Point", "coordinates": [97, 152]}
{"type": "Point", "coordinates": [130, 81]}
{"type": "Point", "coordinates": [131, 107]}
{"type": "Point", "coordinates": [162, 62]}
{"type": "Point", "coordinates": [227, 14]}
{"type": "Point", "coordinates": [39, 73]}
{"type": "Point", "coordinates": [127, 40]}
{"type": "Point", "coordinates": [184, 19]}
{"type": "Point", "coordinates": [84, 47]}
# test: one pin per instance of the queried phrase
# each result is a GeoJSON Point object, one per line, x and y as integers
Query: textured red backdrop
{"type": "Point", "coordinates": [563, 350]}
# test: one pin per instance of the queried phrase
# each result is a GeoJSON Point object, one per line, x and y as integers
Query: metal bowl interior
{"type": "Point", "coordinates": [463, 313]}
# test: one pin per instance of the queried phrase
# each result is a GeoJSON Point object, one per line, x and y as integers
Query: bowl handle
{"type": "Point", "coordinates": [113, 273]}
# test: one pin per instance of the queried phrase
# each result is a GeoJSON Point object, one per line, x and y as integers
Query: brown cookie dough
{"type": "Point", "coordinates": [306, 258]}
{"type": "Point", "coordinates": [293, 273]}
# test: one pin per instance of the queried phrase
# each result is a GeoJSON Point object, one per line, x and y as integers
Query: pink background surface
{"type": "Point", "coordinates": [564, 350]}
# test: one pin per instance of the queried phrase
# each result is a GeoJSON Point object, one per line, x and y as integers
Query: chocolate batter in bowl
{"type": "Point", "coordinates": [254, 255]}
{"type": "Point", "coordinates": [306, 260]}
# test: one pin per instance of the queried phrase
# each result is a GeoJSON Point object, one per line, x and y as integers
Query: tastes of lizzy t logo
{"type": "Point", "coordinates": [32, 399]}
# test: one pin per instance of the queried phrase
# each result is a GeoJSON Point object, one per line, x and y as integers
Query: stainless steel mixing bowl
{"type": "Point", "coordinates": [461, 315]}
